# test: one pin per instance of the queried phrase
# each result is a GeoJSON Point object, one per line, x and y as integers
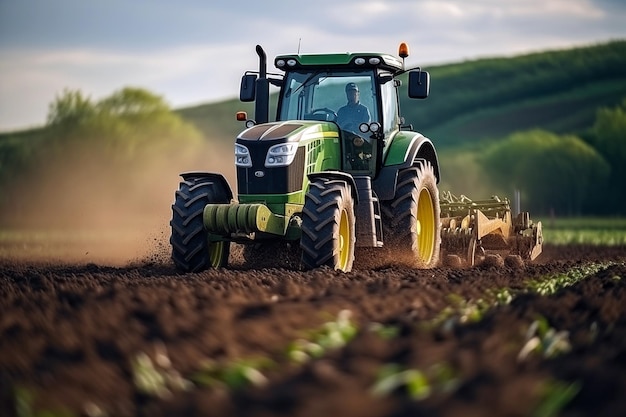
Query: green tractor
{"type": "Point", "coordinates": [328, 179]}
{"type": "Point", "coordinates": [338, 170]}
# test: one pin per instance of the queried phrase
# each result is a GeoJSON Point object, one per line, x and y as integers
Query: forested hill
{"type": "Point", "coordinates": [558, 91]}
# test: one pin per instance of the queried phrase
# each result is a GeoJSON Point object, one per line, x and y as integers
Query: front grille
{"type": "Point", "coordinates": [274, 180]}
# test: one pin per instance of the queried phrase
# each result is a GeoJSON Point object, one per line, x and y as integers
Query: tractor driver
{"type": "Point", "coordinates": [350, 116]}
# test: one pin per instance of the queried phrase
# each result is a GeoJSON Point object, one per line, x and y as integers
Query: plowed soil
{"type": "Point", "coordinates": [70, 335]}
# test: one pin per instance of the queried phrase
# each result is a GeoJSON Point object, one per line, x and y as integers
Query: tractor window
{"type": "Point", "coordinates": [389, 96]}
{"type": "Point", "coordinates": [319, 95]}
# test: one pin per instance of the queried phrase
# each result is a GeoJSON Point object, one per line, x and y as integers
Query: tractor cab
{"type": "Point", "coordinates": [355, 93]}
{"type": "Point", "coordinates": [345, 98]}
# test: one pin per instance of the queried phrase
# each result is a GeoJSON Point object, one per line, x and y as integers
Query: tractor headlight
{"type": "Point", "coordinates": [281, 155]}
{"type": "Point", "coordinates": [242, 156]}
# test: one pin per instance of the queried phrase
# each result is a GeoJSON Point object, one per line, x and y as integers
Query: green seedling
{"type": "Point", "coordinates": [384, 331]}
{"type": "Point", "coordinates": [24, 406]}
{"type": "Point", "coordinates": [556, 396]}
{"type": "Point", "coordinates": [461, 311]}
{"type": "Point", "coordinates": [393, 377]}
{"type": "Point", "coordinates": [444, 377]}
{"type": "Point", "coordinates": [545, 340]}
{"type": "Point", "coordinates": [158, 377]}
{"type": "Point", "coordinates": [332, 335]}
{"type": "Point", "coordinates": [234, 375]}
{"type": "Point", "coordinates": [502, 297]}
{"type": "Point", "coordinates": [417, 384]}
{"type": "Point", "coordinates": [554, 283]}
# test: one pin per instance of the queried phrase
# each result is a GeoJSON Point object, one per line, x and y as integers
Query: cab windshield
{"type": "Point", "coordinates": [345, 97]}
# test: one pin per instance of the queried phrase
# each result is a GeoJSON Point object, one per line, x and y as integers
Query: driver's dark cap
{"type": "Point", "coordinates": [351, 87]}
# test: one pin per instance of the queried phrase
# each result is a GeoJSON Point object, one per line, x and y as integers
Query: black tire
{"type": "Point", "coordinates": [411, 221]}
{"type": "Point", "coordinates": [328, 228]}
{"type": "Point", "coordinates": [191, 249]}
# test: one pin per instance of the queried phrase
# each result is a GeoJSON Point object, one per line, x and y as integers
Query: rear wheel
{"type": "Point", "coordinates": [328, 228]}
{"type": "Point", "coordinates": [411, 223]}
{"type": "Point", "coordinates": [192, 251]}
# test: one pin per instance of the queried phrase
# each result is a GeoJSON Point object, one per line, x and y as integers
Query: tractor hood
{"type": "Point", "coordinates": [291, 131]}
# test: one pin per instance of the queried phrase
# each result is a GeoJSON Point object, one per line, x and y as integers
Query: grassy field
{"type": "Point", "coordinates": [585, 230]}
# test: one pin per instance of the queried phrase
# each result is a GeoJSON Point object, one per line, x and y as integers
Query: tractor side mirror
{"type": "Point", "coordinates": [419, 84]}
{"type": "Point", "coordinates": [247, 91]}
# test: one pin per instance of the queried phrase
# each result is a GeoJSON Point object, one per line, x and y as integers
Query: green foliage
{"type": "Point", "coordinates": [605, 231]}
{"type": "Point", "coordinates": [128, 122]}
{"type": "Point", "coordinates": [15, 155]}
{"type": "Point", "coordinates": [392, 377]}
{"type": "Point", "coordinates": [554, 173]}
{"type": "Point", "coordinates": [332, 335]}
{"type": "Point", "coordinates": [386, 332]}
{"type": "Point", "coordinates": [609, 130]}
{"type": "Point", "coordinates": [70, 108]}
{"type": "Point", "coordinates": [462, 172]}
{"type": "Point", "coordinates": [233, 375]}
{"type": "Point", "coordinates": [419, 385]}
{"type": "Point", "coordinates": [556, 395]}
{"type": "Point", "coordinates": [552, 283]}
{"type": "Point", "coordinates": [544, 340]}
{"type": "Point", "coordinates": [132, 102]}
{"type": "Point", "coordinates": [460, 311]}
{"type": "Point", "coordinates": [609, 138]}
{"type": "Point", "coordinates": [157, 378]}
{"type": "Point", "coordinates": [24, 406]}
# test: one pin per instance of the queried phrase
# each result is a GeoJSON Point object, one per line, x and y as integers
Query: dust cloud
{"type": "Point", "coordinates": [86, 207]}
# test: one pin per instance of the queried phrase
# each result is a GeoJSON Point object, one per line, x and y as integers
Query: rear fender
{"type": "Point", "coordinates": [408, 149]}
{"type": "Point", "coordinates": [219, 179]}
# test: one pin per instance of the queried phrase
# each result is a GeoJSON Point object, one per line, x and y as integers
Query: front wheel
{"type": "Point", "coordinates": [192, 251]}
{"type": "Point", "coordinates": [411, 221]}
{"type": "Point", "coordinates": [328, 228]}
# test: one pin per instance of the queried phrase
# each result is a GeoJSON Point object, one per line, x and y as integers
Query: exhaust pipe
{"type": "Point", "coordinates": [262, 102]}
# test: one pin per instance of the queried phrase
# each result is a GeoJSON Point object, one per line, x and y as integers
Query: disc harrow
{"type": "Point", "coordinates": [473, 229]}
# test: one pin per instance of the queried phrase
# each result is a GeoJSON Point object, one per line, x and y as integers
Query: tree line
{"type": "Point", "coordinates": [565, 174]}
{"type": "Point", "coordinates": [92, 154]}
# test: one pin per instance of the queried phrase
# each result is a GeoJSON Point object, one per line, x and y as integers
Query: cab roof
{"type": "Point", "coordinates": [357, 60]}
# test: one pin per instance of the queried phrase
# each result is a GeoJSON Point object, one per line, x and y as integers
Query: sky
{"type": "Point", "coordinates": [195, 51]}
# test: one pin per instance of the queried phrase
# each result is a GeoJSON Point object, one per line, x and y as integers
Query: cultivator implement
{"type": "Point", "coordinates": [470, 230]}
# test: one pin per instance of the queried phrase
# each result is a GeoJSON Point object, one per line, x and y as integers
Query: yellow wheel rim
{"type": "Point", "coordinates": [216, 251]}
{"type": "Point", "coordinates": [425, 227]}
{"type": "Point", "coordinates": [344, 242]}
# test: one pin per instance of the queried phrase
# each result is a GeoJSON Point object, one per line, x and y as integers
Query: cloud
{"type": "Point", "coordinates": [192, 51]}
{"type": "Point", "coordinates": [187, 74]}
